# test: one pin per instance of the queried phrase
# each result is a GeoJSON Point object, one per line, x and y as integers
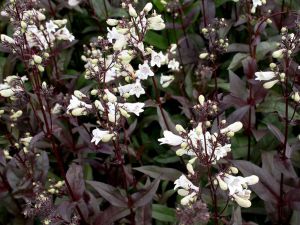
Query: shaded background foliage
{"type": "Point", "coordinates": [150, 168]}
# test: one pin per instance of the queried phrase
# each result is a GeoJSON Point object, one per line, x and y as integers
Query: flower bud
{"type": "Point", "coordinates": [199, 129]}
{"type": "Point", "coordinates": [132, 11]}
{"type": "Point", "coordinates": [272, 66]}
{"type": "Point", "coordinates": [16, 115]}
{"type": "Point", "coordinates": [23, 24]}
{"type": "Point", "coordinates": [278, 54]}
{"type": "Point", "coordinates": [242, 202]}
{"type": "Point", "coordinates": [107, 137]}
{"type": "Point", "coordinates": [296, 97]}
{"type": "Point", "coordinates": [112, 22]}
{"type": "Point", "coordinates": [253, 179]}
{"type": "Point", "coordinates": [222, 184]}
{"type": "Point", "coordinates": [270, 84]}
{"type": "Point", "coordinates": [148, 7]}
{"type": "Point", "coordinates": [180, 128]}
{"type": "Point", "coordinates": [98, 105]}
{"type": "Point", "coordinates": [235, 127]}
{"type": "Point", "coordinates": [234, 170]}
{"type": "Point", "coordinates": [110, 96]}
{"type": "Point", "coordinates": [79, 94]}
{"type": "Point", "coordinates": [201, 100]}
{"type": "Point", "coordinates": [180, 152]}
{"type": "Point", "coordinates": [124, 113]}
{"type": "Point", "coordinates": [94, 92]}
{"type": "Point", "coordinates": [79, 112]}
{"type": "Point", "coordinates": [6, 93]}
{"type": "Point", "coordinates": [41, 68]}
{"type": "Point", "coordinates": [182, 192]}
{"type": "Point", "coordinates": [190, 168]}
{"type": "Point", "coordinates": [37, 59]}
{"type": "Point", "coordinates": [203, 55]}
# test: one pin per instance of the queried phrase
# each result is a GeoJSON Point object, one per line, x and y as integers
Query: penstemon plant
{"type": "Point", "coordinates": [149, 112]}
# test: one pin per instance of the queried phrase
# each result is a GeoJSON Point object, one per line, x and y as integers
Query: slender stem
{"type": "Point", "coordinates": [160, 104]}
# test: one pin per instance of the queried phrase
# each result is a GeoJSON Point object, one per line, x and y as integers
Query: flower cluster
{"type": "Point", "coordinates": [205, 148]}
{"type": "Point", "coordinates": [289, 42]}
{"type": "Point", "coordinates": [34, 37]}
{"type": "Point", "coordinates": [108, 62]}
{"type": "Point", "coordinates": [237, 186]}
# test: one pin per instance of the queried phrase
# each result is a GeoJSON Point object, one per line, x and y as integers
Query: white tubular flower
{"type": "Point", "coordinates": [183, 182]}
{"type": "Point", "coordinates": [5, 38]}
{"type": "Point", "coordinates": [270, 84]}
{"type": "Point", "coordinates": [73, 3]}
{"type": "Point", "coordinates": [132, 89]}
{"type": "Point", "coordinates": [77, 107]}
{"type": "Point", "coordinates": [268, 75]}
{"type": "Point", "coordinates": [165, 81]}
{"type": "Point", "coordinates": [173, 65]}
{"type": "Point", "coordinates": [235, 127]}
{"type": "Point", "coordinates": [255, 4]}
{"type": "Point", "coordinates": [157, 59]}
{"type": "Point", "coordinates": [135, 108]}
{"type": "Point", "coordinates": [156, 23]}
{"type": "Point", "coordinates": [171, 139]}
{"type": "Point", "coordinates": [144, 71]}
{"type": "Point", "coordinates": [101, 135]}
{"type": "Point", "coordinates": [237, 187]}
{"type": "Point", "coordinates": [64, 34]}
{"type": "Point", "coordinates": [110, 96]}
{"type": "Point", "coordinates": [51, 27]}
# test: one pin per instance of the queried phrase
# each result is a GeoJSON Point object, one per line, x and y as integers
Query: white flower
{"type": "Point", "coordinates": [6, 91]}
{"type": "Point", "coordinates": [51, 27]}
{"type": "Point", "coordinates": [101, 135]}
{"type": "Point", "coordinates": [237, 187]}
{"type": "Point", "coordinates": [157, 59]}
{"type": "Point", "coordinates": [77, 107]}
{"type": "Point", "coordinates": [255, 4]}
{"type": "Point", "coordinates": [64, 34]}
{"type": "Point", "coordinates": [73, 3]}
{"type": "Point", "coordinates": [56, 109]}
{"type": "Point", "coordinates": [173, 65]}
{"type": "Point", "coordinates": [5, 38]}
{"type": "Point", "coordinates": [183, 182]}
{"type": "Point", "coordinates": [144, 71]}
{"type": "Point", "coordinates": [165, 81]}
{"type": "Point", "coordinates": [268, 75]}
{"type": "Point", "coordinates": [171, 139]}
{"type": "Point", "coordinates": [156, 23]}
{"type": "Point", "coordinates": [115, 37]}
{"type": "Point", "coordinates": [110, 96]}
{"type": "Point", "coordinates": [135, 108]}
{"type": "Point", "coordinates": [132, 89]}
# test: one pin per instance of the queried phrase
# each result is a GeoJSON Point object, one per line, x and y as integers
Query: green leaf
{"type": "Point", "coordinates": [263, 48]}
{"type": "Point", "coordinates": [155, 39]}
{"type": "Point", "coordinates": [162, 172]}
{"type": "Point", "coordinates": [163, 213]}
{"type": "Point", "coordinates": [104, 10]}
{"type": "Point", "coordinates": [237, 61]}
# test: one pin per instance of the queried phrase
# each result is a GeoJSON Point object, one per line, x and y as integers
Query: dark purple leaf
{"type": "Point", "coordinates": [109, 193]}
{"type": "Point", "coordinates": [145, 196]}
{"type": "Point", "coordinates": [110, 215]}
{"type": "Point", "coordinates": [75, 178]}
